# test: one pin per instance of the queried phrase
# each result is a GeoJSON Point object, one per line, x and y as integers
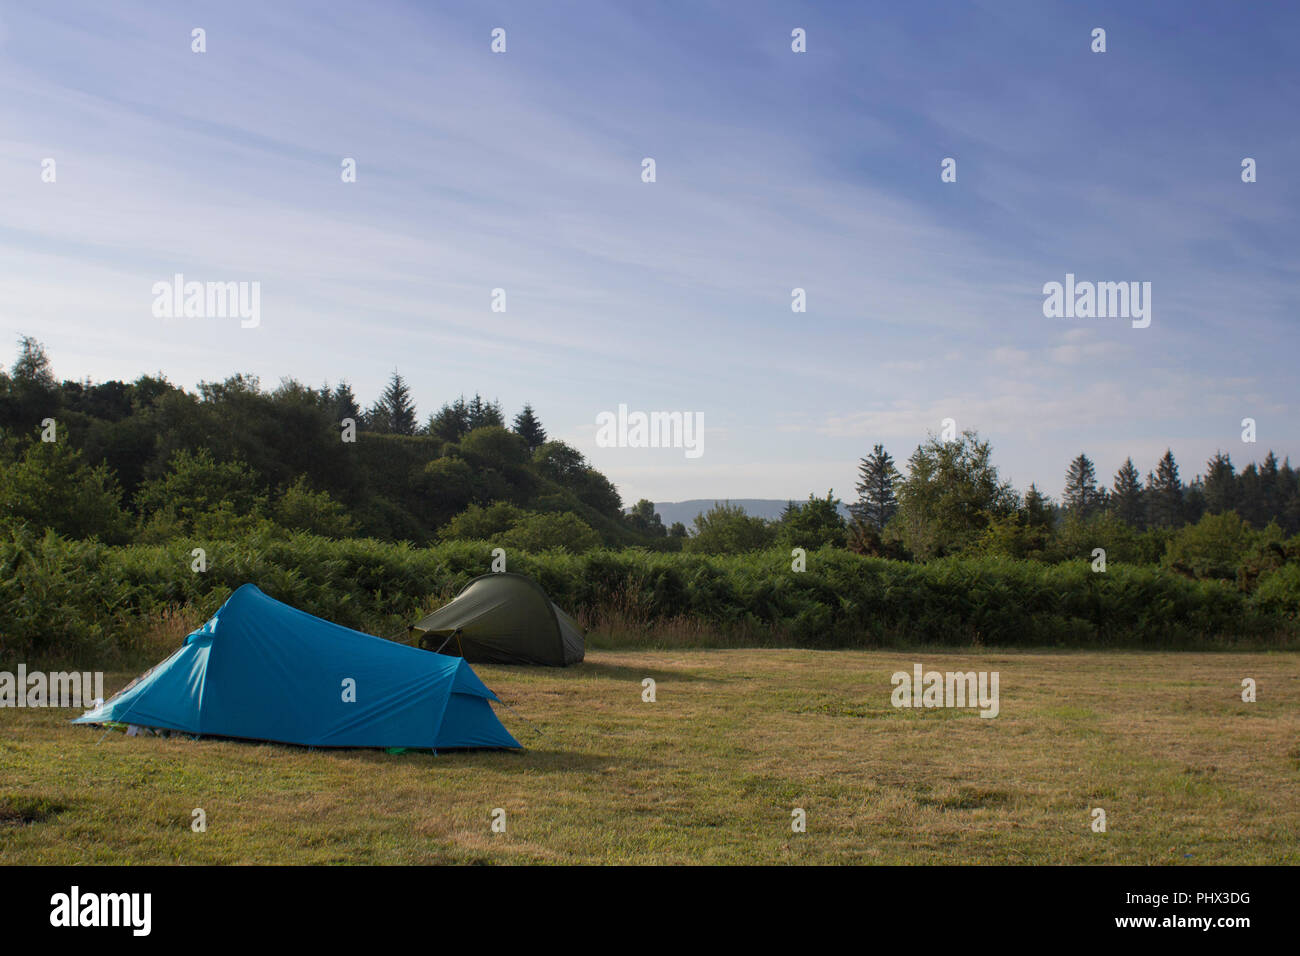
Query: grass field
{"type": "Point", "coordinates": [710, 772]}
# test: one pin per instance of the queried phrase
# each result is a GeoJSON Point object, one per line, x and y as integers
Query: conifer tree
{"type": "Point", "coordinates": [1126, 495]}
{"type": "Point", "coordinates": [451, 422]}
{"type": "Point", "coordinates": [395, 412]}
{"type": "Point", "coordinates": [876, 502]}
{"type": "Point", "coordinates": [1165, 501]}
{"type": "Point", "coordinates": [344, 402]}
{"type": "Point", "coordinates": [529, 428]}
{"type": "Point", "coordinates": [1220, 484]}
{"type": "Point", "coordinates": [1037, 508]}
{"type": "Point", "coordinates": [1081, 495]}
{"type": "Point", "coordinates": [483, 414]}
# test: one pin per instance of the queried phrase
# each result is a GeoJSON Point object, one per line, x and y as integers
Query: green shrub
{"type": "Point", "coordinates": [196, 484]}
{"type": "Point", "coordinates": [812, 524]}
{"type": "Point", "coordinates": [727, 529]}
{"type": "Point", "coordinates": [1077, 538]}
{"type": "Point", "coordinates": [50, 486]}
{"type": "Point", "coordinates": [301, 509]}
{"type": "Point", "coordinates": [1279, 593]}
{"type": "Point", "coordinates": [564, 531]}
{"type": "Point", "coordinates": [477, 523]}
{"type": "Point", "coordinates": [89, 602]}
{"type": "Point", "coordinates": [1214, 547]}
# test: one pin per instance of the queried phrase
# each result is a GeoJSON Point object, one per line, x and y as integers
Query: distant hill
{"type": "Point", "coordinates": [685, 511]}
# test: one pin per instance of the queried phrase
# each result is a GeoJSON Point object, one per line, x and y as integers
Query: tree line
{"type": "Point", "coordinates": [148, 461]}
{"type": "Point", "coordinates": [394, 413]}
{"type": "Point", "coordinates": [953, 501]}
{"type": "Point", "coordinates": [1261, 494]}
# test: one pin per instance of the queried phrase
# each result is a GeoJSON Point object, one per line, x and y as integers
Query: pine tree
{"type": "Point", "coordinates": [1269, 486]}
{"type": "Point", "coordinates": [1165, 505]}
{"type": "Point", "coordinates": [1289, 498]}
{"type": "Point", "coordinates": [1220, 484]}
{"type": "Point", "coordinates": [483, 414]}
{"type": "Point", "coordinates": [33, 365]}
{"type": "Point", "coordinates": [1081, 496]}
{"type": "Point", "coordinates": [1126, 496]}
{"type": "Point", "coordinates": [451, 422]}
{"type": "Point", "coordinates": [1194, 501]}
{"type": "Point", "coordinates": [876, 502]}
{"type": "Point", "coordinates": [395, 412]}
{"type": "Point", "coordinates": [529, 428]}
{"type": "Point", "coordinates": [31, 395]}
{"type": "Point", "coordinates": [1037, 508]}
{"type": "Point", "coordinates": [375, 419]}
{"type": "Point", "coordinates": [345, 403]}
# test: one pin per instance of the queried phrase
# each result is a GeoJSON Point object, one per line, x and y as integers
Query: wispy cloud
{"type": "Point", "coordinates": [521, 171]}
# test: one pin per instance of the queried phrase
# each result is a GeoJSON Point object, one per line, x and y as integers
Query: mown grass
{"type": "Point", "coordinates": [710, 772]}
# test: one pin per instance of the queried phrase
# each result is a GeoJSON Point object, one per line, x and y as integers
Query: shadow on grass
{"type": "Point", "coordinates": [542, 758]}
{"type": "Point", "coordinates": [533, 744]}
{"type": "Point", "coordinates": [634, 674]}
{"type": "Point", "coordinates": [18, 810]}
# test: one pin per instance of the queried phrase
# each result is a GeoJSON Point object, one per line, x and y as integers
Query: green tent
{"type": "Point", "coordinates": [503, 619]}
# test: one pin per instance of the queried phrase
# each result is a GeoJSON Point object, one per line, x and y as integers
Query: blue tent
{"type": "Point", "coordinates": [262, 670]}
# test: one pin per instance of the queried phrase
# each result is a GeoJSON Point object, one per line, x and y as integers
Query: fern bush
{"type": "Point", "coordinates": [89, 603]}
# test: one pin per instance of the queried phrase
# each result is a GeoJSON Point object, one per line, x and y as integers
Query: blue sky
{"type": "Point", "coordinates": [775, 170]}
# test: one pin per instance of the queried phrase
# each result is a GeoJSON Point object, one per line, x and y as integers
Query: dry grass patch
{"type": "Point", "coordinates": [711, 771]}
